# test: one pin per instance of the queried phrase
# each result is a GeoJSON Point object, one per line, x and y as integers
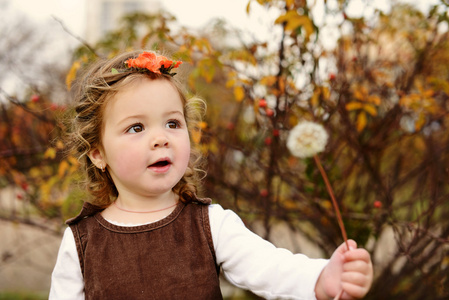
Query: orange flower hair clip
{"type": "Point", "coordinates": [157, 64]}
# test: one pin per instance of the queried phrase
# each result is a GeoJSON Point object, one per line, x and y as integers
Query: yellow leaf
{"type": "Point", "coordinates": [50, 153]}
{"type": "Point", "coordinates": [359, 95]}
{"type": "Point", "coordinates": [207, 69]}
{"type": "Point", "coordinates": [63, 167]}
{"type": "Point", "coordinates": [72, 74]}
{"type": "Point", "coordinates": [59, 145]}
{"type": "Point", "coordinates": [230, 83]}
{"type": "Point", "coordinates": [420, 122]}
{"type": "Point", "coordinates": [202, 125]}
{"type": "Point", "coordinates": [35, 172]}
{"type": "Point", "coordinates": [196, 136]}
{"type": "Point", "coordinates": [370, 109]}
{"type": "Point", "coordinates": [361, 122]}
{"type": "Point", "coordinates": [73, 161]}
{"type": "Point", "coordinates": [315, 97]}
{"type": "Point", "coordinates": [282, 85]}
{"type": "Point", "coordinates": [326, 93]}
{"type": "Point", "coordinates": [404, 101]}
{"type": "Point", "coordinates": [239, 93]}
{"type": "Point", "coordinates": [353, 106]}
{"type": "Point", "coordinates": [419, 143]}
{"type": "Point", "coordinates": [293, 20]}
{"type": "Point", "coordinates": [268, 80]}
{"type": "Point", "coordinates": [375, 99]}
{"type": "Point", "coordinates": [248, 7]}
{"type": "Point", "coordinates": [289, 3]}
{"type": "Point", "coordinates": [284, 18]}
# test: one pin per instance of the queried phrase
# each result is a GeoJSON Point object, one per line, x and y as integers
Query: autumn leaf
{"type": "Point", "coordinates": [239, 93]}
{"type": "Point", "coordinates": [353, 105]}
{"type": "Point", "coordinates": [50, 153]}
{"type": "Point", "coordinates": [361, 121]}
{"type": "Point", "coordinates": [293, 20]}
{"type": "Point", "coordinates": [72, 74]}
{"type": "Point", "coordinates": [196, 136]}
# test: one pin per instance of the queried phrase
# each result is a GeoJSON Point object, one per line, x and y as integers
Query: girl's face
{"type": "Point", "coordinates": [146, 143]}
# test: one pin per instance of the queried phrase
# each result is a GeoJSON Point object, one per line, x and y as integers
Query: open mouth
{"type": "Point", "coordinates": [160, 164]}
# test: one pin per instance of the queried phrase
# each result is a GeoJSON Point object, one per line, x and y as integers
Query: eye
{"type": "Point", "coordinates": [173, 124]}
{"type": "Point", "coordinates": [135, 128]}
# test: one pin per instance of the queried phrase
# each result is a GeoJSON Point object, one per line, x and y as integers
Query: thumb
{"type": "Point", "coordinates": [344, 246]}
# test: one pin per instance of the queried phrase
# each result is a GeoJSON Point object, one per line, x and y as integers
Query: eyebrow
{"type": "Point", "coordinates": [142, 116]}
{"type": "Point", "coordinates": [174, 112]}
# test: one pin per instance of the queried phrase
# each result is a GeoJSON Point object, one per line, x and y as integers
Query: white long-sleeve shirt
{"type": "Point", "coordinates": [247, 261]}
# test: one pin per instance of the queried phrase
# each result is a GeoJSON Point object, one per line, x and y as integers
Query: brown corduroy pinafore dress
{"type": "Point", "coordinates": [173, 258]}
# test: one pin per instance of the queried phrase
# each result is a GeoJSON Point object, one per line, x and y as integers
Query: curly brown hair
{"type": "Point", "coordinates": [96, 85]}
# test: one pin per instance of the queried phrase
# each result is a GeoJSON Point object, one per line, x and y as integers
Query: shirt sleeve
{"type": "Point", "coordinates": [67, 280]}
{"type": "Point", "coordinates": [252, 263]}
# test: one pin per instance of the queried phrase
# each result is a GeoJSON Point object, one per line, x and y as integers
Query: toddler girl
{"type": "Point", "coordinates": [145, 234]}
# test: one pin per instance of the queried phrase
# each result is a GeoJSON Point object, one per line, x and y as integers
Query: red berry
{"type": "Point", "coordinates": [332, 76]}
{"type": "Point", "coordinates": [269, 112]}
{"type": "Point", "coordinates": [262, 103]}
{"type": "Point", "coordinates": [34, 98]}
{"type": "Point", "coordinates": [268, 141]}
{"type": "Point", "coordinates": [24, 186]}
{"type": "Point", "coordinates": [264, 193]}
{"type": "Point", "coordinates": [377, 204]}
{"type": "Point", "coordinates": [275, 132]}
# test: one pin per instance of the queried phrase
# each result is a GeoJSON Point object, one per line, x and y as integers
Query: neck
{"type": "Point", "coordinates": [146, 211]}
{"type": "Point", "coordinates": [131, 204]}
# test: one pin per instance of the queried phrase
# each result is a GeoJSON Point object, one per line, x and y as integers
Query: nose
{"type": "Point", "coordinates": [159, 142]}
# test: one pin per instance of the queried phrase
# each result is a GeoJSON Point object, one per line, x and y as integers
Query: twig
{"type": "Point", "coordinates": [79, 39]}
{"type": "Point", "coordinates": [334, 202]}
{"type": "Point", "coordinates": [336, 208]}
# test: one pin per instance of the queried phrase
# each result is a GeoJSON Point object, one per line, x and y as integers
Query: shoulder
{"type": "Point", "coordinates": [87, 210]}
{"type": "Point", "coordinates": [219, 215]}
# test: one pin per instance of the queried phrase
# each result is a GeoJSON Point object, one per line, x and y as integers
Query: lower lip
{"type": "Point", "coordinates": [160, 169]}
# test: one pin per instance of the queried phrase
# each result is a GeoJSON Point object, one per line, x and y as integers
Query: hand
{"type": "Point", "coordinates": [350, 271]}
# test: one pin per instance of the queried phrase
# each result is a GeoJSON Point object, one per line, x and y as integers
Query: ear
{"type": "Point", "coordinates": [97, 158]}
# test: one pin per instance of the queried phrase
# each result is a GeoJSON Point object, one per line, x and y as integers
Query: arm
{"type": "Point", "coordinates": [250, 262]}
{"type": "Point", "coordinates": [67, 280]}
{"type": "Point", "coordinates": [350, 271]}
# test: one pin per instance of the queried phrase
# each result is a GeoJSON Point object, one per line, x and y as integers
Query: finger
{"type": "Point", "coordinates": [343, 248]}
{"type": "Point", "coordinates": [357, 254]}
{"type": "Point", "coordinates": [359, 266]}
{"type": "Point", "coordinates": [355, 278]}
{"type": "Point", "coordinates": [354, 291]}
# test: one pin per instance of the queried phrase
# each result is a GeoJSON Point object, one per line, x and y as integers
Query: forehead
{"type": "Point", "coordinates": [144, 95]}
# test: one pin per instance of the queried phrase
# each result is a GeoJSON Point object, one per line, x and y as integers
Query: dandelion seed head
{"type": "Point", "coordinates": [307, 139]}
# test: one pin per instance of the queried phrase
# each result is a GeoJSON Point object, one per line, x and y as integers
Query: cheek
{"type": "Point", "coordinates": [125, 161]}
{"type": "Point", "coordinates": [185, 153]}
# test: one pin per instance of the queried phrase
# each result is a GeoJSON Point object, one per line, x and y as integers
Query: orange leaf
{"type": "Point", "coordinates": [293, 20]}
{"type": "Point", "coordinates": [239, 93]}
{"type": "Point", "coordinates": [63, 167]}
{"type": "Point", "coordinates": [370, 109]}
{"type": "Point", "coordinates": [353, 106]}
{"type": "Point", "coordinates": [50, 153]}
{"type": "Point", "coordinates": [196, 136]}
{"type": "Point", "coordinates": [361, 121]}
{"type": "Point", "coordinates": [72, 74]}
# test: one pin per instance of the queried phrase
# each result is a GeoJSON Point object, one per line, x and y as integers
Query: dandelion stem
{"type": "Point", "coordinates": [338, 295]}
{"type": "Point", "coordinates": [334, 202]}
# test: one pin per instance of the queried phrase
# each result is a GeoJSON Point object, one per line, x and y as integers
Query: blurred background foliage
{"type": "Point", "coordinates": [381, 93]}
